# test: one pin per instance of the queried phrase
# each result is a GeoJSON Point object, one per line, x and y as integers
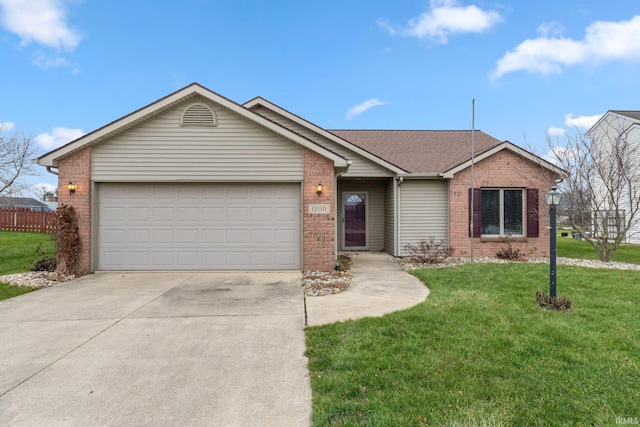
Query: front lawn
{"type": "Point", "coordinates": [580, 249]}
{"type": "Point", "coordinates": [479, 351]}
{"type": "Point", "coordinates": [18, 253]}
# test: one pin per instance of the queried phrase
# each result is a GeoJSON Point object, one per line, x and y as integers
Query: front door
{"type": "Point", "coordinates": [354, 217]}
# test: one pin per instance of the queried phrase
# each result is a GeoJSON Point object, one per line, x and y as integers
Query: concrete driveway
{"type": "Point", "coordinates": [161, 349]}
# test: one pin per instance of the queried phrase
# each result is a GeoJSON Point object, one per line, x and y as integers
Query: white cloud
{"type": "Point", "coordinates": [40, 21]}
{"type": "Point", "coordinates": [603, 42]}
{"type": "Point", "coordinates": [58, 137]}
{"type": "Point", "coordinates": [361, 108]}
{"type": "Point", "coordinates": [555, 131]}
{"type": "Point", "coordinates": [44, 61]}
{"type": "Point", "coordinates": [445, 18]}
{"type": "Point", "coordinates": [550, 29]}
{"type": "Point", "coordinates": [582, 122]}
{"type": "Point", "coordinates": [6, 126]}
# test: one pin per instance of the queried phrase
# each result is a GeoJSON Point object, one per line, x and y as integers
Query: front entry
{"type": "Point", "coordinates": [354, 217]}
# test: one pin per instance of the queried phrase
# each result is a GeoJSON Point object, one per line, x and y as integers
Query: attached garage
{"type": "Point", "coordinates": [176, 226]}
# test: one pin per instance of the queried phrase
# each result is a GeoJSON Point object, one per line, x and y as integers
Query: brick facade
{"type": "Point", "coordinates": [76, 168]}
{"type": "Point", "coordinates": [318, 229]}
{"type": "Point", "coordinates": [501, 170]}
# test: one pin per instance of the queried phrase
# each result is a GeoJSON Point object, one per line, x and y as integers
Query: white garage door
{"type": "Point", "coordinates": [198, 226]}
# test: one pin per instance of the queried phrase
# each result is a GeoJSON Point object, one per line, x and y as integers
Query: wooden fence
{"type": "Point", "coordinates": [22, 219]}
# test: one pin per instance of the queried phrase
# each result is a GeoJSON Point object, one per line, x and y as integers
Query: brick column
{"type": "Point", "coordinates": [76, 168]}
{"type": "Point", "coordinates": [318, 229]}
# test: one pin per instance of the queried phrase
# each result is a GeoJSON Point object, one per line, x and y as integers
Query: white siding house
{"type": "Point", "coordinates": [615, 142]}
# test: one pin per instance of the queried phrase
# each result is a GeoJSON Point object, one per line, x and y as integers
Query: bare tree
{"type": "Point", "coordinates": [16, 152]}
{"type": "Point", "coordinates": [603, 186]}
{"type": "Point", "coordinates": [42, 192]}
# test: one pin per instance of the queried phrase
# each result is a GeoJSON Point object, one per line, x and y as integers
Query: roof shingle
{"type": "Point", "coordinates": [420, 151]}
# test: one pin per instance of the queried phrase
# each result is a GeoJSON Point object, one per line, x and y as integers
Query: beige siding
{"type": "Point", "coordinates": [360, 166]}
{"type": "Point", "coordinates": [423, 211]}
{"type": "Point", "coordinates": [163, 150]}
{"type": "Point", "coordinates": [375, 215]}
{"type": "Point", "coordinates": [389, 218]}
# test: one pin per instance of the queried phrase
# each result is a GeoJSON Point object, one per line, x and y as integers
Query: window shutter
{"type": "Point", "coordinates": [477, 194]}
{"type": "Point", "coordinates": [533, 222]}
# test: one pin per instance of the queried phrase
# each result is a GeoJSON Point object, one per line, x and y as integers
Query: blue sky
{"type": "Point", "coordinates": [533, 68]}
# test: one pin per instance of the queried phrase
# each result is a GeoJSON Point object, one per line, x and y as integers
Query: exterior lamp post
{"type": "Point", "coordinates": [553, 200]}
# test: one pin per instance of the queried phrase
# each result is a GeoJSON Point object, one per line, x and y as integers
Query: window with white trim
{"type": "Point", "coordinates": [502, 212]}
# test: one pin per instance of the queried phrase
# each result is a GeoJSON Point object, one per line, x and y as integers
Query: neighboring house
{"type": "Point", "coordinates": [23, 202]}
{"type": "Point", "coordinates": [195, 181]}
{"type": "Point", "coordinates": [615, 127]}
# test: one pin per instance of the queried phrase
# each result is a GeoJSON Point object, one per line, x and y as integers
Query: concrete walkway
{"type": "Point", "coordinates": [378, 287]}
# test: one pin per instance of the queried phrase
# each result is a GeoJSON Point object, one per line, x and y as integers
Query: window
{"type": "Point", "coordinates": [504, 211]}
{"type": "Point", "coordinates": [501, 213]}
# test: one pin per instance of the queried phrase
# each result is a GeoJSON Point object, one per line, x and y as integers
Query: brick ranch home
{"type": "Point", "coordinates": [195, 181]}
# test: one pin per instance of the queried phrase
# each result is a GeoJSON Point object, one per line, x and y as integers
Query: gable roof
{"type": "Point", "coordinates": [368, 154]}
{"type": "Point", "coordinates": [22, 202]}
{"type": "Point", "coordinates": [633, 114]}
{"type": "Point", "coordinates": [622, 115]}
{"type": "Point", "coordinates": [420, 151]}
{"type": "Point", "coordinates": [434, 152]}
{"type": "Point", "coordinates": [147, 112]}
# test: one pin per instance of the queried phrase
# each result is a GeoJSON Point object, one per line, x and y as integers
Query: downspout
{"type": "Point", "coordinates": [50, 171]}
{"type": "Point", "coordinates": [337, 216]}
{"type": "Point", "coordinates": [397, 183]}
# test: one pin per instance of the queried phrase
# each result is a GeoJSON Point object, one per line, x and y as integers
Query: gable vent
{"type": "Point", "coordinates": [198, 115]}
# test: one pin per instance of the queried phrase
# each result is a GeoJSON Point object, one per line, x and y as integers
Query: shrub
{"type": "Point", "coordinates": [553, 303]}
{"type": "Point", "coordinates": [508, 252]}
{"type": "Point", "coordinates": [429, 251]}
{"type": "Point", "coordinates": [67, 240]}
{"type": "Point", "coordinates": [45, 264]}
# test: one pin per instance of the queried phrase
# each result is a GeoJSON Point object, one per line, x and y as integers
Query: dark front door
{"type": "Point", "coordinates": [355, 220]}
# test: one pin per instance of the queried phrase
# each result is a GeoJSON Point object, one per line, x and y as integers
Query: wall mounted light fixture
{"type": "Point", "coordinates": [319, 189]}
{"type": "Point", "coordinates": [72, 187]}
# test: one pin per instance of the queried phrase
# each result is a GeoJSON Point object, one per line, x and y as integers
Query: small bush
{"type": "Point", "coordinates": [429, 251]}
{"type": "Point", "coordinates": [553, 303]}
{"type": "Point", "coordinates": [45, 264]}
{"type": "Point", "coordinates": [67, 240]}
{"type": "Point", "coordinates": [508, 252]}
{"type": "Point", "coordinates": [344, 262]}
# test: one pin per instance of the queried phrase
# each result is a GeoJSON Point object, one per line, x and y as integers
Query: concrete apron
{"type": "Point", "coordinates": [161, 349]}
{"type": "Point", "coordinates": [378, 287]}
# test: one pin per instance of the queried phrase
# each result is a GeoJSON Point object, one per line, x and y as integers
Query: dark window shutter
{"type": "Point", "coordinates": [477, 194]}
{"type": "Point", "coordinates": [533, 221]}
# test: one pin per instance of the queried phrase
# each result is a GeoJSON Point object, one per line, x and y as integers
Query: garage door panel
{"type": "Point", "coordinates": [198, 226]}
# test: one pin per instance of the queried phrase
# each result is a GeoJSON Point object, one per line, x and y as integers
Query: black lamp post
{"type": "Point", "coordinates": [553, 200]}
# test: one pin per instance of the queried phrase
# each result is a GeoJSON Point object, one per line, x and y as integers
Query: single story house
{"type": "Point", "coordinates": [197, 181]}
{"type": "Point", "coordinates": [23, 203]}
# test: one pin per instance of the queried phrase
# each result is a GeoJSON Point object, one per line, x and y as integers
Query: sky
{"type": "Point", "coordinates": [532, 69]}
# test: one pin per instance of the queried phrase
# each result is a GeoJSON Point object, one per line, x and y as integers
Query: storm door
{"type": "Point", "coordinates": [354, 217]}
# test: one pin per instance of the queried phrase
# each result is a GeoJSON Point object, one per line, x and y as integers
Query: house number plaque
{"type": "Point", "coordinates": [319, 209]}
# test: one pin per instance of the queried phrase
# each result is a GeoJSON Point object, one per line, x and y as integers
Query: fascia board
{"type": "Point", "coordinates": [258, 101]}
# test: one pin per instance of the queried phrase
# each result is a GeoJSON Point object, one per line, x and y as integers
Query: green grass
{"type": "Point", "coordinates": [18, 253]}
{"type": "Point", "coordinates": [574, 248]}
{"type": "Point", "coordinates": [479, 351]}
